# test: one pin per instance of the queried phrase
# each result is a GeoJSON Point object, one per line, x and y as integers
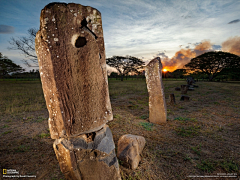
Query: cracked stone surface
{"type": "Point", "coordinates": [88, 156]}
{"type": "Point", "coordinates": [71, 56]}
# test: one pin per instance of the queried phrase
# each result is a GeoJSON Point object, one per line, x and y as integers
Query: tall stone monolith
{"type": "Point", "coordinates": [157, 103]}
{"type": "Point", "coordinates": [72, 64]}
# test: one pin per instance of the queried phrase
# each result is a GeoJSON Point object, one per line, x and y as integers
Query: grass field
{"type": "Point", "coordinates": [201, 137]}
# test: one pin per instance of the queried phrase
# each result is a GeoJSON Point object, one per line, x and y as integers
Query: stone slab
{"type": "Point", "coordinates": [71, 57]}
{"type": "Point", "coordinates": [157, 103]}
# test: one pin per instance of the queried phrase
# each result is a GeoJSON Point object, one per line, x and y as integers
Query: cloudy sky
{"type": "Point", "coordinates": [175, 30]}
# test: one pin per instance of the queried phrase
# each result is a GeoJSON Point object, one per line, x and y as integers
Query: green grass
{"type": "Point", "coordinates": [21, 96]}
{"type": "Point", "coordinates": [22, 148]}
{"type": "Point", "coordinates": [43, 135]}
{"type": "Point", "coordinates": [207, 166]}
{"type": "Point", "coordinates": [117, 116]}
{"type": "Point", "coordinates": [6, 132]}
{"type": "Point", "coordinates": [187, 158]}
{"type": "Point", "coordinates": [188, 131]}
{"type": "Point", "coordinates": [211, 165]}
{"type": "Point", "coordinates": [184, 119]}
{"type": "Point", "coordinates": [144, 116]}
{"type": "Point", "coordinates": [147, 126]}
{"type": "Point", "coordinates": [5, 126]}
{"type": "Point", "coordinates": [197, 149]}
{"type": "Point", "coordinates": [228, 165]}
{"type": "Point", "coordinates": [40, 119]}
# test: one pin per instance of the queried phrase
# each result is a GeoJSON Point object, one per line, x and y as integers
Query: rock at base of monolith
{"type": "Point", "coordinates": [172, 99]}
{"type": "Point", "coordinates": [129, 150]}
{"type": "Point", "coordinates": [184, 98]}
{"type": "Point", "coordinates": [157, 103]}
{"type": "Point", "coordinates": [184, 89]}
{"type": "Point", "coordinates": [88, 156]}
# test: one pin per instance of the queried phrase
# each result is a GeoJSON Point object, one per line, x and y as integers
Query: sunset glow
{"type": "Point", "coordinates": [164, 70]}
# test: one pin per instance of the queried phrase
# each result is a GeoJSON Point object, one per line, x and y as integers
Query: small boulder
{"type": "Point", "coordinates": [177, 89]}
{"type": "Point", "coordinates": [184, 98]}
{"type": "Point", "coordinates": [129, 149]}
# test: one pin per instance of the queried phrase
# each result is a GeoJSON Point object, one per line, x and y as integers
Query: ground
{"type": "Point", "coordinates": [201, 137]}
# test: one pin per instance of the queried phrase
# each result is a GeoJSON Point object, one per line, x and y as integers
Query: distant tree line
{"type": "Point", "coordinates": [211, 65]}
{"type": "Point", "coordinates": [125, 66]}
{"type": "Point", "coordinates": [9, 70]}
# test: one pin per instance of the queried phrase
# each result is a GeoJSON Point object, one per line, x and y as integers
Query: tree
{"type": "Point", "coordinates": [211, 63]}
{"type": "Point", "coordinates": [179, 73]}
{"type": "Point", "coordinates": [26, 45]}
{"type": "Point", "coordinates": [124, 65]}
{"type": "Point", "coordinates": [232, 73]}
{"type": "Point", "coordinates": [7, 66]}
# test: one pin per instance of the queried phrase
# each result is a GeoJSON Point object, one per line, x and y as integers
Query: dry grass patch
{"type": "Point", "coordinates": [201, 137]}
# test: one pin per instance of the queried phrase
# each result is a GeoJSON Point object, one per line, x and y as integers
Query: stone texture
{"type": "Point", "coordinates": [88, 156]}
{"type": "Point", "coordinates": [129, 150]}
{"type": "Point", "coordinates": [71, 57]}
{"type": "Point", "coordinates": [184, 89]}
{"type": "Point", "coordinates": [157, 103]}
{"type": "Point", "coordinates": [184, 98]}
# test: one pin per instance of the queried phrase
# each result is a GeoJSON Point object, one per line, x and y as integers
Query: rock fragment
{"type": "Point", "coordinates": [129, 150]}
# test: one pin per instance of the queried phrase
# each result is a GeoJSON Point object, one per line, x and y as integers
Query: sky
{"type": "Point", "coordinates": [174, 30]}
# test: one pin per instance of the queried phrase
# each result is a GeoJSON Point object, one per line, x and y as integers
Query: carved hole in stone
{"type": "Point", "coordinates": [100, 56]}
{"type": "Point", "coordinates": [57, 147]}
{"type": "Point", "coordinates": [95, 153]}
{"type": "Point", "coordinates": [84, 22]}
{"type": "Point", "coordinates": [90, 136]}
{"type": "Point", "coordinates": [80, 42]}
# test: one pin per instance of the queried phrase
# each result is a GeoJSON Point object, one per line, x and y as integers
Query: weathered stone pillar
{"type": "Point", "coordinates": [184, 89]}
{"type": "Point", "coordinates": [172, 99]}
{"type": "Point", "coordinates": [157, 103]}
{"type": "Point", "coordinates": [71, 57]}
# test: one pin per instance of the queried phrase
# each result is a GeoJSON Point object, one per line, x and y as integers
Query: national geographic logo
{"type": "Point", "coordinates": [13, 173]}
{"type": "Point", "coordinates": [10, 171]}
